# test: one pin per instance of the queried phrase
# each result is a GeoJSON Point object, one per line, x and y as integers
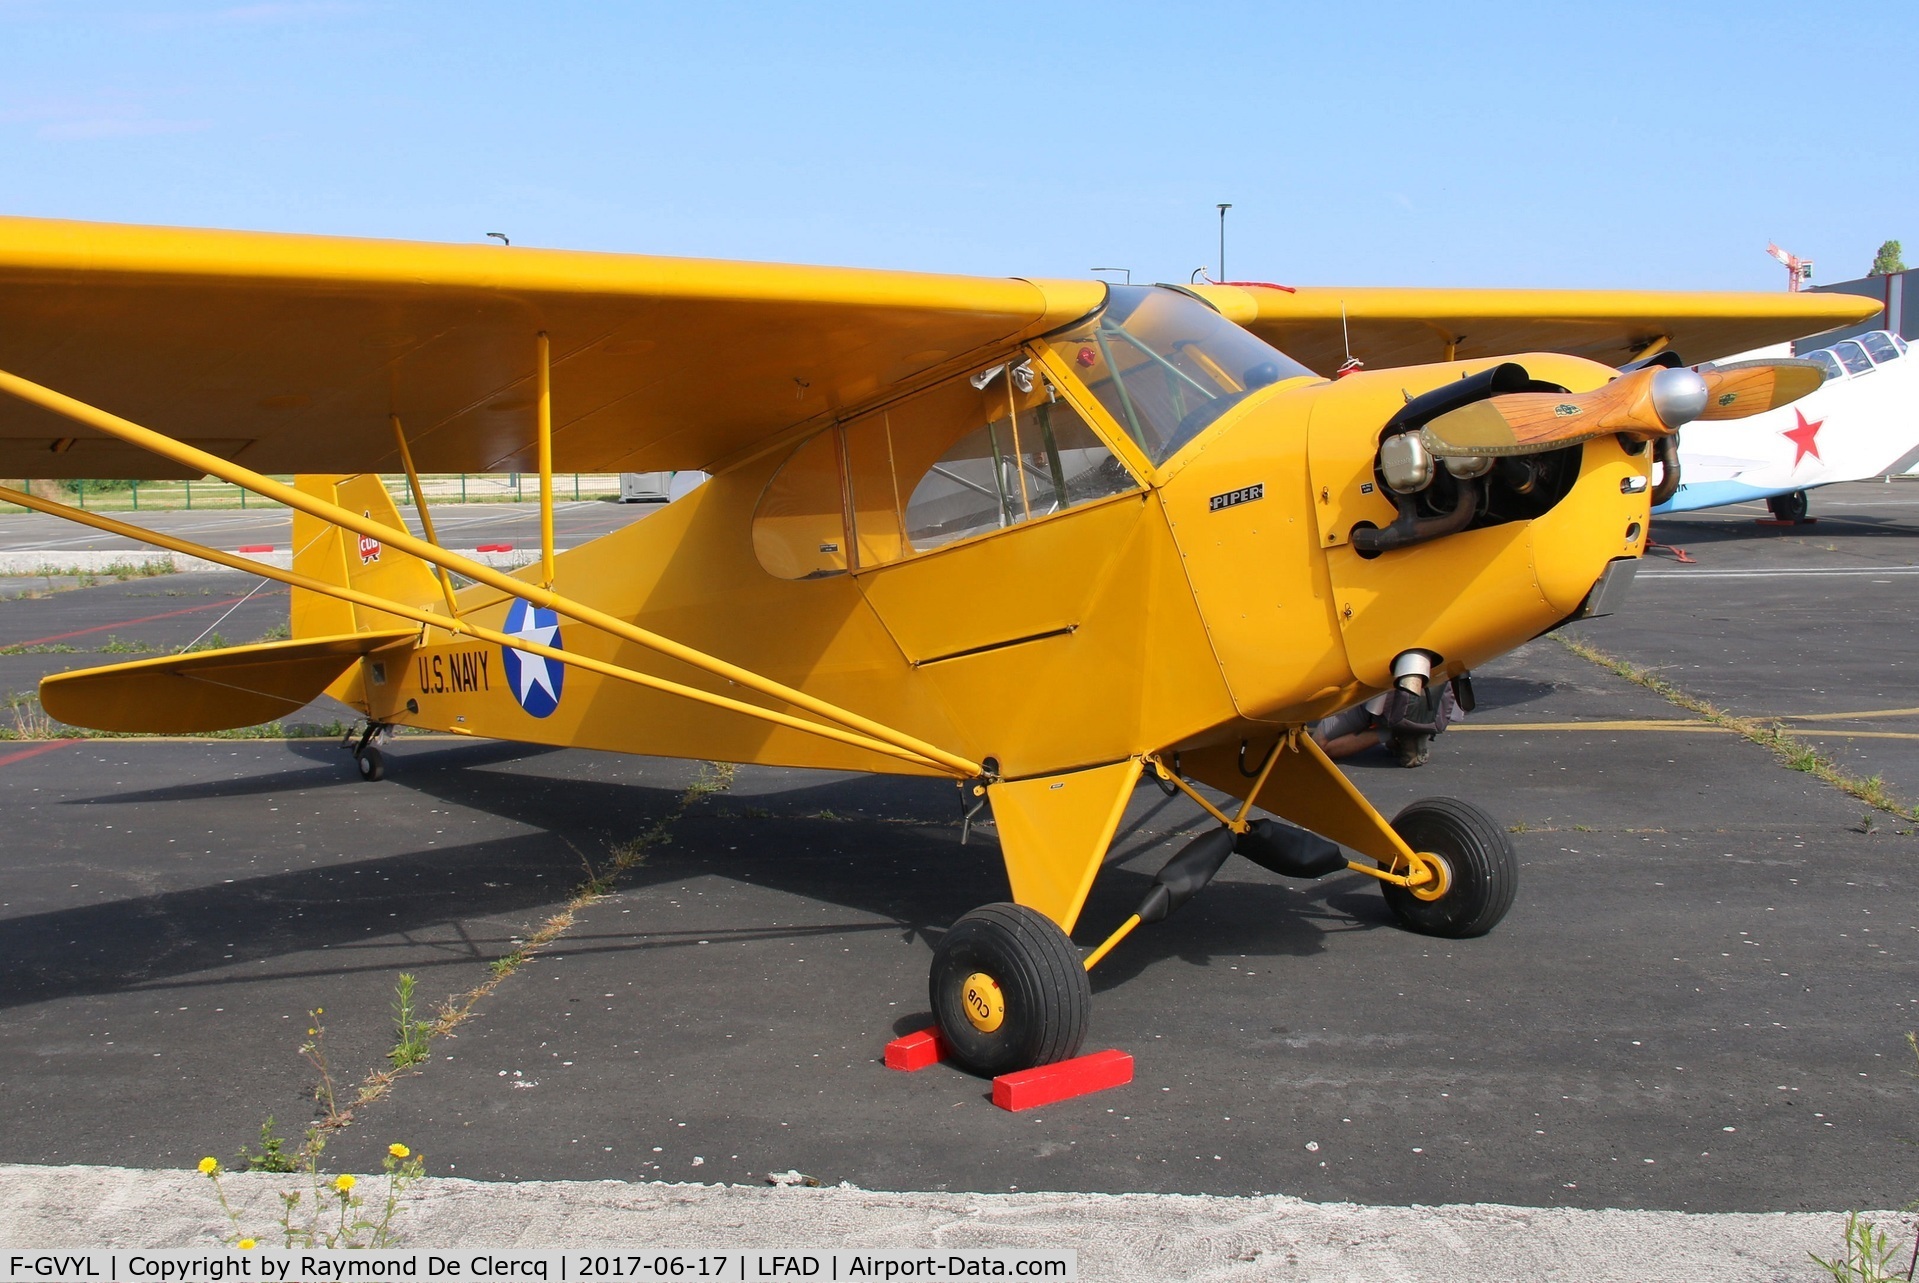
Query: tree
{"type": "Point", "coordinates": [1887, 260]}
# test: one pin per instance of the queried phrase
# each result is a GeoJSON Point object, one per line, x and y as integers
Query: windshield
{"type": "Point", "coordinates": [1827, 362]}
{"type": "Point", "coordinates": [1165, 365]}
{"type": "Point", "coordinates": [1879, 347]}
{"type": "Point", "coordinates": [1853, 357]}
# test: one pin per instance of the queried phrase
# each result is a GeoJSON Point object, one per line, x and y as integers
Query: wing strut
{"type": "Point", "coordinates": [544, 399]}
{"type": "Point", "coordinates": [179, 452]}
{"type": "Point", "coordinates": [456, 626]}
{"type": "Point", "coordinates": [426, 517]}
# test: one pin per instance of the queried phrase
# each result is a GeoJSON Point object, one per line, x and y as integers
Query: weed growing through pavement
{"type": "Point", "coordinates": [328, 1214]}
{"type": "Point", "coordinates": [314, 1051]}
{"type": "Point", "coordinates": [601, 881]}
{"type": "Point", "coordinates": [1868, 1257]}
{"type": "Point", "coordinates": [410, 1049]}
{"type": "Point", "coordinates": [272, 1156]}
{"type": "Point", "coordinates": [1870, 1252]}
{"type": "Point", "coordinates": [1789, 749]}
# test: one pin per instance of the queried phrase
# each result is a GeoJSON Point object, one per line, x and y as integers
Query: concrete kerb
{"type": "Point", "coordinates": [1117, 1236]}
{"type": "Point", "coordinates": [61, 563]}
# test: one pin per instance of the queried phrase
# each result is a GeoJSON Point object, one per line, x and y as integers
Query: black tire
{"type": "Point", "coordinates": [1047, 999]}
{"type": "Point", "coordinates": [1483, 869]}
{"type": "Point", "coordinates": [1790, 507]}
{"type": "Point", "coordinates": [372, 764]}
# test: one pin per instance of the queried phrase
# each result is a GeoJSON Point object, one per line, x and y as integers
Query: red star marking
{"type": "Point", "coordinates": [1804, 438]}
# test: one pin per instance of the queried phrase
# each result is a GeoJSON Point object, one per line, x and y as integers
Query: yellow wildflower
{"type": "Point", "coordinates": [311, 1032]}
{"type": "Point", "coordinates": [247, 1245]}
{"type": "Point", "coordinates": [398, 1150]}
{"type": "Point", "coordinates": [208, 1166]}
{"type": "Point", "coordinates": [344, 1183]}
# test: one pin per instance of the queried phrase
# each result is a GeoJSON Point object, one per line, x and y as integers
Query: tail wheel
{"type": "Point", "coordinates": [1009, 990]}
{"type": "Point", "coordinates": [1482, 869]}
{"type": "Point", "coordinates": [372, 763]}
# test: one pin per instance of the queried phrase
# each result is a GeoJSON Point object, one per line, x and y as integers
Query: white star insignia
{"type": "Point", "coordinates": [534, 669]}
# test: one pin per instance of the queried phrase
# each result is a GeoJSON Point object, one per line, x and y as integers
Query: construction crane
{"type": "Point", "coordinates": [1797, 269]}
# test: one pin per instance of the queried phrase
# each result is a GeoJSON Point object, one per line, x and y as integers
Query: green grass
{"type": "Point", "coordinates": [1773, 736]}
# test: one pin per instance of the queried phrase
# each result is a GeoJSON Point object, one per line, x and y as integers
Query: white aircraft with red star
{"type": "Point", "coordinates": [1863, 422]}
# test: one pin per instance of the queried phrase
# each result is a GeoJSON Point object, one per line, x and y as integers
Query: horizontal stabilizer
{"type": "Point", "coordinates": [209, 690]}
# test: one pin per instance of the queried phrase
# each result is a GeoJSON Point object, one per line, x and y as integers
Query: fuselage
{"type": "Point", "coordinates": [1128, 549]}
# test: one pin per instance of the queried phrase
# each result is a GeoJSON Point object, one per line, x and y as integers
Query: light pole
{"type": "Point", "coordinates": [1222, 240]}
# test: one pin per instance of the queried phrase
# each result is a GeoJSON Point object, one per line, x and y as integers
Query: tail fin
{"type": "Point", "coordinates": [337, 556]}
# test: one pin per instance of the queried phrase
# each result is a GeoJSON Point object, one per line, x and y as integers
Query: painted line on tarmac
{"type": "Point", "coordinates": [1841, 717]}
{"type": "Point", "coordinates": [144, 619]}
{"type": "Point", "coordinates": [36, 751]}
{"type": "Point", "coordinates": [1780, 572]}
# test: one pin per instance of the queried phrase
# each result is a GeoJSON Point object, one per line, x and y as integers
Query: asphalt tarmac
{"type": "Point", "coordinates": [1699, 1001]}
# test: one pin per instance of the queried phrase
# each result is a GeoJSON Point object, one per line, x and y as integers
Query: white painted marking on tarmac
{"type": "Point", "coordinates": [1780, 572]}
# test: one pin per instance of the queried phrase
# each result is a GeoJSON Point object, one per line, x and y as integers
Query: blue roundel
{"type": "Point", "coordinates": [535, 680]}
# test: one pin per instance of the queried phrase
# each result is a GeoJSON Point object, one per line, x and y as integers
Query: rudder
{"type": "Point", "coordinates": [326, 552]}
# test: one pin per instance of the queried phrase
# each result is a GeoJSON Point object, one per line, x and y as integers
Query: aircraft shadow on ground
{"type": "Point", "coordinates": [895, 872]}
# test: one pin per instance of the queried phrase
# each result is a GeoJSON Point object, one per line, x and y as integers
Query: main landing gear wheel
{"type": "Point", "coordinates": [372, 763]}
{"type": "Point", "coordinates": [1482, 870]}
{"type": "Point", "coordinates": [1790, 507]}
{"type": "Point", "coordinates": [1009, 991]}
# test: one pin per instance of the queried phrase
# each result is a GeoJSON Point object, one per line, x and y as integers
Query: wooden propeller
{"type": "Point", "coordinates": [1644, 404]}
{"type": "Point", "coordinates": [1753, 387]}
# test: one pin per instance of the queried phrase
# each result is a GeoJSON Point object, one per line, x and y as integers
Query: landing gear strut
{"type": "Point", "coordinates": [367, 756]}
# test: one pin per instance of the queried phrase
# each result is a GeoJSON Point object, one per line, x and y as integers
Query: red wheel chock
{"type": "Point", "coordinates": [915, 1051]}
{"type": "Point", "coordinates": [1062, 1080]}
{"type": "Point", "coordinates": [1029, 1088]}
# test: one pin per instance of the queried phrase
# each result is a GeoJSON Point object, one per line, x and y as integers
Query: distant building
{"type": "Point", "coordinates": [1897, 292]}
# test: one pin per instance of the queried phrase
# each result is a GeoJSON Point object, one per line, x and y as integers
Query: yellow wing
{"type": "Point", "coordinates": [289, 353]}
{"type": "Point", "coordinates": [1392, 327]}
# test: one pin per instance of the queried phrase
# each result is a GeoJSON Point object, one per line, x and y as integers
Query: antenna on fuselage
{"type": "Point", "coordinates": [1351, 364]}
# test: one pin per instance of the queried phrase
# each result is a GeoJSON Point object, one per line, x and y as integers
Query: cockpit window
{"type": "Point", "coordinates": [1853, 357]}
{"type": "Point", "coordinates": [979, 452]}
{"type": "Point", "coordinates": [1878, 345]}
{"type": "Point", "coordinates": [1166, 365]}
{"type": "Point", "coordinates": [1827, 362]}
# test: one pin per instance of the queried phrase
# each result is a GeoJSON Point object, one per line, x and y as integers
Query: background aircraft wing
{"type": "Point", "coordinates": [1391, 327]}
{"type": "Point", "coordinates": [289, 353]}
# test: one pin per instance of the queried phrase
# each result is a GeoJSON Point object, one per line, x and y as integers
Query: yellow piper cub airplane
{"type": "Point", "coordinates": [1037, 536]}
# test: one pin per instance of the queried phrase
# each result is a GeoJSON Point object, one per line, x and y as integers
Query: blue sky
{"type": "Point", "coordinates": [1622, 145]}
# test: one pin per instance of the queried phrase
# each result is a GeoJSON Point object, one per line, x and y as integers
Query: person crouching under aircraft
{"type": "Point", "coordinates": [1399, 721]}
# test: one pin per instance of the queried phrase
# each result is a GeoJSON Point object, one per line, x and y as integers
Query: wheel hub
{"type": "Point", "coordinates": [1441, 881]}
{"type": "Point", "coordinates": [982, 1001]}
